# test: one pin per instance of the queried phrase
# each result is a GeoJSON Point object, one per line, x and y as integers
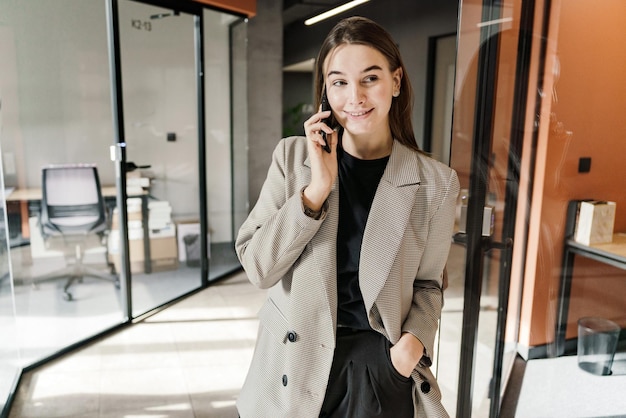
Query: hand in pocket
{"type": "Point", "coordinates": [406, 354]}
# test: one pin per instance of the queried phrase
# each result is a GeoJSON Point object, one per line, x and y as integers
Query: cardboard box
{"type": "Point", "coordinates": [135, 246]}
{"type": "Point", "coordinates": [595, 222]}
{"type": "Point", "coordinates": [164, 264]}
{"type": "Point", "coordinates": [162, 248]}
{"type": "Point", "coordinates": [161, 232]}
{"type": "Point", "coordinates": [163, 253]}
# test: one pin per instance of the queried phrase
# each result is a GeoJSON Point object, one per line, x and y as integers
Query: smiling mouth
{"type": "Point", "coordinates": [357, 114]}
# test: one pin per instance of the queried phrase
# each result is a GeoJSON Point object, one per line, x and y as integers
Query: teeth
{"type": "Point", "coordinates": [357, 113]}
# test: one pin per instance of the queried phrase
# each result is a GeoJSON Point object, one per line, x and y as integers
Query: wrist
{"type": "Point", "coordinates": [312, 199]}
{"type": "Point", "coordinates": [309, 209]}
{"type": "Point", "coordinates": [412, 347]}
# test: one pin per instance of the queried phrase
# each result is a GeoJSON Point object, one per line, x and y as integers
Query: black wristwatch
{"type": "Point", "coordinates": [315, 214]}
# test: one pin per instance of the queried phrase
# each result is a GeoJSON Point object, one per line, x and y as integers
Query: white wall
{"type": "Point", "coordinates": [58, 97]}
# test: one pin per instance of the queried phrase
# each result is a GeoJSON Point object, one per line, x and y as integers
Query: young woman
{"type": "Point", "coordinates": [352, 245]}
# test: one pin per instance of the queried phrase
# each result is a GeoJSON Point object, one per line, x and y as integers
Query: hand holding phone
{"type": "Point", "coordinates": [325, 107]}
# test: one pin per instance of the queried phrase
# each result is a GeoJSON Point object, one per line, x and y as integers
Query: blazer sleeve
{"type": "Point", "coordinates": [423, 317]}
{"type": "Point", "coordinates": [276, 231]}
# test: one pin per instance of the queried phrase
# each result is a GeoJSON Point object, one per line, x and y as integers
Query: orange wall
{"type": "Point", "coordinates": [590, 95]}
{"type": "Point", "coordinates": [245, 7]}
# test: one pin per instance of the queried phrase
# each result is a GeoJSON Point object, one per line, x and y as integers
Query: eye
{"type": "Point", "coordinates": [338, 83]}
{"type": "Point", "coordinates": [370, 78]}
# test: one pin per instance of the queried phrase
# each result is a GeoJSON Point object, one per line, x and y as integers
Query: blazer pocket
{"type": "Point", "coordinates": [273, 320]}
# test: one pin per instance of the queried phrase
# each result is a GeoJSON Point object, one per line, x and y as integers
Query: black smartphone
{"type": "Point", "coordinates": [327, 121]}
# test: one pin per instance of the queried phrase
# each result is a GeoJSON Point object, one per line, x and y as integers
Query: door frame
{"type": "Point", "coordinates": [118, 149]}
{"type": "Point", "coordinates": [476, 244]}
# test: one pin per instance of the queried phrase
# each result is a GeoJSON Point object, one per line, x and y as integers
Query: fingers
{"type": "Point", "coordinates": [315, 125]}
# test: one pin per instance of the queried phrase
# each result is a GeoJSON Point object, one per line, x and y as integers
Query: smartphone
{"type": "Point", "coordinates": [327, 121]}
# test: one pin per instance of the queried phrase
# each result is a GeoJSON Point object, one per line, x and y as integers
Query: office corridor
{"type": "Point", "coordinates": [188, 360]}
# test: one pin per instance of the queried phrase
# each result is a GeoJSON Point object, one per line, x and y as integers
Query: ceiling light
{"type": "Point", "coordinates": [333, 12]}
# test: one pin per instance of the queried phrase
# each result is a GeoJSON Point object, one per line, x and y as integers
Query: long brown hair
{"type": "Point", "coordinates": [362, 31]}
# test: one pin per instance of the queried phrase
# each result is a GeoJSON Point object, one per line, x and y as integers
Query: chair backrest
{"type": "Point", "coordinates": [72, 201]}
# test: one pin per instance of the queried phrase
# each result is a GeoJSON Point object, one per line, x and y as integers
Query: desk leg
{"type": "Point", "coordinates": [146, 235]}
{"type": "Point", "coordinates": [25, 217]}
{"type": "Point", "coordinates": [564, 296]}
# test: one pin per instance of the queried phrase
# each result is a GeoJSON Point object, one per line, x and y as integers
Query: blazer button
{"type": "Point", "coordinates": [292, 336]}
{"type": "Point", "coordinates": [284, 380]}
{"type": "Point", "coordinates": [425, 387]}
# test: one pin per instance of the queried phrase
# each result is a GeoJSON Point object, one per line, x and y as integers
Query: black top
{"type": "Point", "coordinates": [358, 181]}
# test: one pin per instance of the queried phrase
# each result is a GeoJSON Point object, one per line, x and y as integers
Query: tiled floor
{"type": "Point", "coordinates": [190, 360]}
{"type": "Point", "coordinates": [186, 361]}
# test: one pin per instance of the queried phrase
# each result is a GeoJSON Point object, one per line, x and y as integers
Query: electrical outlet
{"type": "Point", "coordinates": [584, 164]}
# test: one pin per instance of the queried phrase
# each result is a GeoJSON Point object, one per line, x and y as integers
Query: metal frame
{"type": "Point", "coordinates": [118, 123]}
{"type": "Point", "coordinates": [117, 107]}
{"type": "Point", "coordinates": [475, 250]}
{"type": "Point", "coordinates": [204, 219]}
{"type": "Point", "coordinates": [476, 245]}
{"type": "Point", "coordinates": [571, 249]}
{"type": "Point", "coordinates": [520, 100]}
{"type": "Point", "coordinates": [430, 89]}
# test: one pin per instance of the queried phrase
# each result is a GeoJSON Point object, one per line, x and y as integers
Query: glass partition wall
{"type": "Point", "coordinates": [158, 77]}
{"type": "Point", "coordinates": [56, 111]}
{"type": "Point", "coordinates": [491, 120]}
{"type": "Point", "coordinates": [524, 132]}
{"type": "Point", "coordinates": [226, 137]}
{"type": "Point", "coordinates": [56, 108]}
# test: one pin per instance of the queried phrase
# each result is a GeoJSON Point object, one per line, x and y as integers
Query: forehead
{"type": "Point", "coordinates": [352, 57]}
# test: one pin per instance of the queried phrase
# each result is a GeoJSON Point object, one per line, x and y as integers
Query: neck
{"type": "Point", "coordinates": [367, 149]}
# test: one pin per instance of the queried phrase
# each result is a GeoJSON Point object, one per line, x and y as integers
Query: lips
{"type": "Point", "coordinates": [359, 113]}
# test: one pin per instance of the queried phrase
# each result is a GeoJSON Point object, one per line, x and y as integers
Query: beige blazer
{"type": "Point", "coordinates": [404, 251]}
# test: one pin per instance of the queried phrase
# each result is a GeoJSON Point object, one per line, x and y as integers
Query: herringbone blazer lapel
{"type": "Point", "coordinates": [388, 218]}
{"type": "Point", "coordinates": [387, 221]}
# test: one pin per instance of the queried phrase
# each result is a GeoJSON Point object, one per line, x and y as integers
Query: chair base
{"type": "Point", "coordinates": [76, 273]}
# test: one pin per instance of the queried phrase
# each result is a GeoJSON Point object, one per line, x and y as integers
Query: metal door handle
{"type": "Point", "coordinates": [489, 244]}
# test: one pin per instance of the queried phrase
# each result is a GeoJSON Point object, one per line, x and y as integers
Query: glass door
{"type": "Point", "coordinates": [159, 84]}
{"type": "Point", "coordinates": [482, 303]}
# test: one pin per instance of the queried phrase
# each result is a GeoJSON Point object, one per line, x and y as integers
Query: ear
{"type": "Point", "coordinates": [397, 78]}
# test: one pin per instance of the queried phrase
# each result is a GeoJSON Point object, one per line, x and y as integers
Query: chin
{"type": "Point", "coordinates": [359, 131]}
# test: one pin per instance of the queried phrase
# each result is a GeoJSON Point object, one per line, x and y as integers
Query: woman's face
{"type": "Point", "coordinates": [360, 88]}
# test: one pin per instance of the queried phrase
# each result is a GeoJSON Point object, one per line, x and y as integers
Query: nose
{"type": "Point", "coordinates": [356, 94]}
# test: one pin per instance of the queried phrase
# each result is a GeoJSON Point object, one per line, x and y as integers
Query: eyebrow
{"type": "Point", "coordinates": [370, 68]}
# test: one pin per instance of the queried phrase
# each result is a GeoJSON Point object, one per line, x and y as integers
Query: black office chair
{"type": "Point", "coordinates": [73, 218]}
